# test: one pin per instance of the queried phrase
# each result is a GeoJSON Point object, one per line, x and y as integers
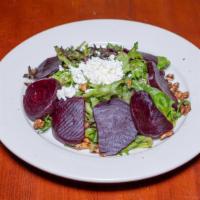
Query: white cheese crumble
{"type": "Point", "coordinates": [77, 75]}
{"type": "Point", "coordinates": [66, 92]}
{"type": "Point", "coordinates": [88, 90]}
{"type": "Point", "coordinates": [98, 71]}
{"type": "Point", "coordinates": [76, 87]}
{"type": "Point", "coordinates": [60, 68]}
{"type": "Point", "coordinates": [129, 75]}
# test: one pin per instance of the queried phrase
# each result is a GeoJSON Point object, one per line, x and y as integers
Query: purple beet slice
{"type": "Point", "coordinates": [115, 126]}
{"type": "Point", "coordinates": [39, 97]}
{"type": "Point", "coordinates": [157, 80]}
{"type": "Point", "coordinates": [149, 57]}
{"type": "Point", "coordinates": [68, 120]}
{"type": "Point", "coordinates": [147, 118]}
{"type": "Point", "coordinates": [47, 67]}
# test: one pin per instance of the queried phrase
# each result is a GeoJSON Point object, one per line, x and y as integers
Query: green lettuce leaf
{"type": "Point", "coordinates": [91, 134]}
{"type": "Point", "coordinates": [124, 58]}
{"type": "Point", "coordinates": [133, 65]}
{"type": "Point", "coordinates": [89, 112]}
{"type": "Point", "coordinates": [163, 62]}
{"type": "Point", "coordinates": [115, 47]}
{"type": "Point", "coordinates": [139, 142]}
{"type": "Point", "coordinates": [61, 56]}
{"type": "Point", "coordinates": [94, 101]}
{"type": "Point", "coordinates": [99, 91]}
{"type": "Point", "coordinates": [73, 56]}
{"type": "Point", "coordinates": [47, 124]}
{"type": "Point", "coordinates": [63, 77]}
{"type": "Point", "coordinates": [138, 70]}
{"type": "Point", "coordinates": [133, 53]}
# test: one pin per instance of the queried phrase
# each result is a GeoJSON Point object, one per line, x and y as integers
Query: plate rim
{"type": "Point", "coordinates": [98, 19]}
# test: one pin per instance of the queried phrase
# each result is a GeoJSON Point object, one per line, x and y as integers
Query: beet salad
{"type": "Point", "coordinates": [108, 99]}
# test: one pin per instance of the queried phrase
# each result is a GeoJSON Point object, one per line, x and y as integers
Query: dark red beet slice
{"type": "Point", "coordinates": [68, 120]}
{"type": "Point", "coordinates": [39, 97]}
{"type": "Point", "coordinates": [157, 80]}
{"type": "Point", "coordinates": [147, 118]}
{"type": "Point", "coordinates": [47, 67]}
{"type": "Point", "coordinates": [149, 57]}
{"type": "Point", "coordinates": [115, 126]}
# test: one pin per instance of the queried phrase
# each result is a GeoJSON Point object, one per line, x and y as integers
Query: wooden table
{"type": "Point", "coordinates": [20, 19]}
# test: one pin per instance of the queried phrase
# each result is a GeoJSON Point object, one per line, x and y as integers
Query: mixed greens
{"type": "Point", "coordinates": [135, 78]}
{"type": "Point", "coordinates": [135, 70]}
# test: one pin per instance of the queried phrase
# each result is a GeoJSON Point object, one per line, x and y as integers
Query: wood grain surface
{"type": "Point", "coordinates": [20, 19]}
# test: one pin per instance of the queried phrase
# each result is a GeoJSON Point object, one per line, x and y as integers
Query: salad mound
{"type": "Point", "coordinates": [107, 99]}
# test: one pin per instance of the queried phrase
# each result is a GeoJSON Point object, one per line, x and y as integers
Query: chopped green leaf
{"type": "Point", "coordinates": [47, 124]}
{"type": "Point", "coordinates": [94, 101]}
{"type": "Point", "coordinates": [138, 70]}
{"type": "Point", "coordinates": [139, 142]}
{"type": "Point", "coordinates": [63, 77]}
{"type": "Point", "coordinates": [103, 90]}
{"type": "Point", "coordinates": [123, 57]}
{"type": "Point", "coordinates": [91, 134]}
{"type": "Point", "coordinates": [135, 68]}
{"type": "Point", "coordinates": [163, 62]}
{"type": "Point", "coordinates": [88, 109]}
{"type": "Point", "coordinates": [126, 94]}
{"type": "Point", "coordinates": [64, 60]}
{"type": "Point", "coordinates": [73, 56]}
{"type": "Point", "coordinates": [86, 50]}
{"type": "Point", "coordinates": [81, 45]}
{"type": "Point", "coordinates": [133, 53]}
{"type": "Point", "coordinates": [115, 47]}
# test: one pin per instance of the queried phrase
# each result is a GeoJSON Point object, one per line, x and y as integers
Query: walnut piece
{"type": "Point", "coordinates": [185, 109]}
{"type": "Point", "coordinates": [170, 77]}
{"type": "Point", "coordinates": [165, 135]}
{"type": "Point", "coordinates": [83, 87]}
{"type": "Point", "coordinates": [38, 123]}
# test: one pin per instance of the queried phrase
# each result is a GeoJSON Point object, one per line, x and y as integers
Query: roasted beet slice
{"type": "Point", "coordinates": [149, 57]}
{"type": "Point", "coordinates": [115, 126]}
{"type": "Point", "coordinates": [147, 118]}
{"type": "Point", "coordinates": [157, 80]}
{"type": "Point", "coordinates": [47, 67]}
{"type": "Point", "coordinates": [39, 97]}
{"type": "Point", "coordinates": [68, 120]}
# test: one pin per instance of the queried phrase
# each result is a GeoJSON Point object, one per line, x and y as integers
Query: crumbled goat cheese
{"type": "Point", "coordinates": [60, 68]}
{"type": "Point", "coordinates": [76, 86]}
{"type": "Point", "coordinates": [66, 92]}
{"type": "Point", "coordinates": [98, 71]}
{"type": "Point", "coordinates": [112, 57]}
{"type": "Point", "coordinates": [88, 90]}
{"type": "Point", "coordinates": [129, 75]}
{"type": "Point", "coordinates": [77, 75]}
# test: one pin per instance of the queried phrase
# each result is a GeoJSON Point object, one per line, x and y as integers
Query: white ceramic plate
{"type": "Point", "coordinates": [44, 152]}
